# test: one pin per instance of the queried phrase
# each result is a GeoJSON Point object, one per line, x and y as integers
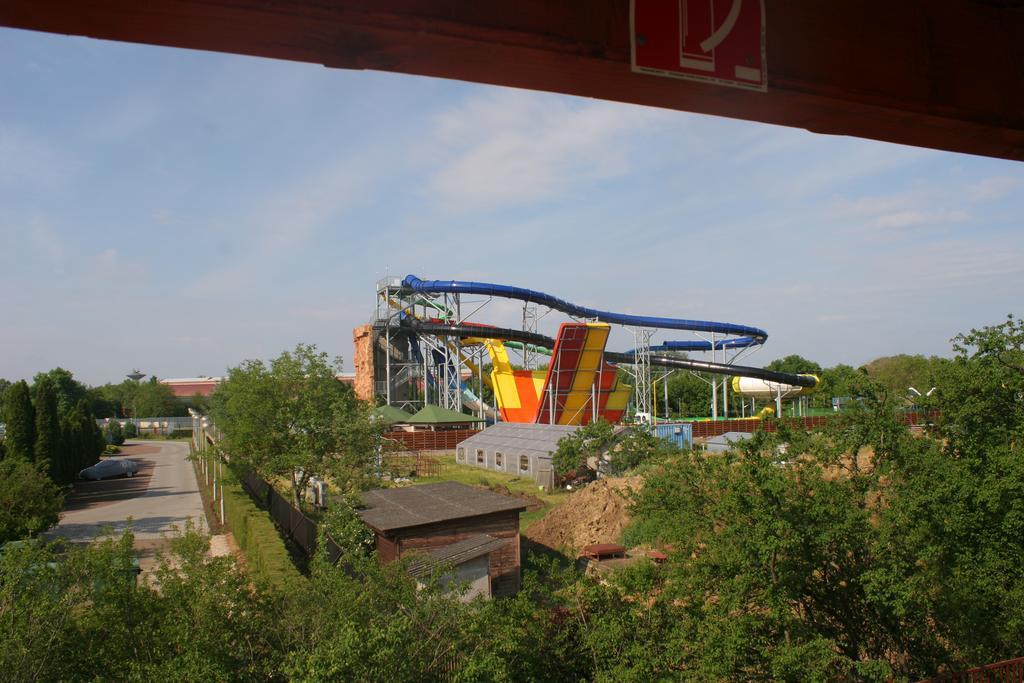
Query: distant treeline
{"type": "Point", "coordinates": [126, 399]}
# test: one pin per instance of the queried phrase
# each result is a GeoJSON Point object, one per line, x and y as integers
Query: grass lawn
{"type": "Point", "coordinates": [475, 476]}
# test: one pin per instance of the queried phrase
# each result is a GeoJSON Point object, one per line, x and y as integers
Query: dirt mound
{"type": "Point", "coordinates": [597, 513]}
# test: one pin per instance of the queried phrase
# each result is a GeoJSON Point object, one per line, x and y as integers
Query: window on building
{"type": "Point", "coordinates": [499, 459]}
{"type": "Point", "coordinates": [524, 463]}
{"type": "Point", "coordinates": [480, 456]}
{"type": "Point", "coordinates": [460, 455]}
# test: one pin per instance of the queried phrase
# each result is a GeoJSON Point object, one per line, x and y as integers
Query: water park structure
{"type": "Point", "coordinates": [427, 339]}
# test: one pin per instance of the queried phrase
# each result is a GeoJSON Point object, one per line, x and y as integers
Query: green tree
{"type": "Point", "coordinates": [134, 399]}
{"type": "Point", "coordinates": [102, 402]}
{"type": "Point", "coordinates": [956, 518]}
{"type": "Point", "coordinates": [82, 437]}
{"type": "Point", "coordinates": [153, 399]}
{"type": "Point", "coordinates": [837, 381]}
{"type": "Point", "coordinates": [76, 614]}
{"type": "Point", "coordinates": [689, 395]}
{"type": "Point", "coordinates": [795, 364]}
{"type": "Point", "coordinates": [68, 390]}
{"type": "Point", "coordinates": [30, 503]}
{"type": "Point", "coordinates": [5, 384]}
{"type": "Point", "coordinates": [113, 433]}
{"type": "Point", "coordinates": [49, 446]}
{"type": "Point", "coordinates": [636, 447]}
{"type": "Point", "coordinates": [20, 420]}
{"type": "Point", "coordinates": [898, 373]}
{"type": "Point", "coordinates": [588, 441]}
{"type": "Point", "coordinates": [293, 418]}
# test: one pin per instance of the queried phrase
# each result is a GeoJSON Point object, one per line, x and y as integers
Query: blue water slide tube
{"type": "Point", "coordinates": [748, 336]}
{"type": "Point", "coordinates": [701, 345]}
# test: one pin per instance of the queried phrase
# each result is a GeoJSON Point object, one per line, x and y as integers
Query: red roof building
{"type": "Point", "coordinates": [186, 387]}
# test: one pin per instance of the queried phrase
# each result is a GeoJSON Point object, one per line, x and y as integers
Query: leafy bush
{"type": "Point", "coordinates": [343, 524]}
{"type": "Point", "coordinates": [130, 430]}
{"type": "Point", "coordinates": [574, 449]}
{"type": "Point", "coordinates": [29, 501]}
{"type": "Point", "coordinates": [258, 537]}
{"type": "Point", "coordinates": [68, 615]}
{"type": "Point", "coordinates": [113, 433]}
{"type": "Point", "coordinates": [637, 447]}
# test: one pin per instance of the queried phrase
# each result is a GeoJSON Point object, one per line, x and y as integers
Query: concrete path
{"type": "Point", "coordinates": [162, 496]}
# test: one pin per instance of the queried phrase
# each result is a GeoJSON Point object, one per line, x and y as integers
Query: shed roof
{"type": "Point", "coordinates": [390, 509]}
{"type": "Point", "coordinates": [456, 553]}
{"type": "Point", "coordinates": [433, 415]}
{"type": "Point", "coordinates": [724, 442]}
{"type": "Point", "coordinates": [519, 438]}
{"type": "Point", "coordinates": [390, 415]}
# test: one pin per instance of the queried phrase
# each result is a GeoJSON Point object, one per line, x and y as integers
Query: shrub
{"type": "Point", "coordinates": [113, 433]}
{"type": "Point", "coordinates": [130, 430]}
{"type": "Point", "coordinates": [258, 537]}
{"type": "Point", "coordinates": [29, 501]}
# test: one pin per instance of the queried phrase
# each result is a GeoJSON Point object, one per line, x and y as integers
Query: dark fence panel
{"type": "Point", "coordinates": [291, 521]}
{"type": "Point", "coordinates": [704, 429]}
{"type": "Point", "coordinates": [426, 440]}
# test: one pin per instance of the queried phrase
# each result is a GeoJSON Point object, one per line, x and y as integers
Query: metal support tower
{"type": "Point", "coordinates": [643, 385]}
{"type": "Point", "coordinates": [430, 373]}
{"type": "Point", "coordinates": [529, 325]}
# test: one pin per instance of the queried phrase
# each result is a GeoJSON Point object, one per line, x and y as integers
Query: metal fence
{"type": "Point", "coordinates": [708, 428]}
{"type": "Point", "coordinates": [156, 426]}
{"type": "Point", "coordinates": [429, 440]}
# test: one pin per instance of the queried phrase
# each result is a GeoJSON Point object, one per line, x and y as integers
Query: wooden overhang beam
{"type": "Point", "coordinates": [944, 74]}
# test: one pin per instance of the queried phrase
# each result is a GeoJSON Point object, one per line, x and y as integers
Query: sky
{"type": "Point", "coordinates": [179, 212]}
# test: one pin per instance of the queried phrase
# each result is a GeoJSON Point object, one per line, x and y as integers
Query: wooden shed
{"type": "Point", "coordinates": [425, 519]}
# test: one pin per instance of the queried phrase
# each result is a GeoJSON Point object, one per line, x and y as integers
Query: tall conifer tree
{"type": "Point", "coordinates": [20, 420]}
{"type": "Point", "coordinates": [48, 436]}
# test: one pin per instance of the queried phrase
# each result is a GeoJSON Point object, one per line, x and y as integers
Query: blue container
{"type": "Point", "coordinates": [679, 433]}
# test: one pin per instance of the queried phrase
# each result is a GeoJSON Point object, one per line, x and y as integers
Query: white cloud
{"type": "Point", "coordinates": [46, 240]}
{"type": "Point", "coordinates": [950, 263]}
{"type": "Point", "coordinates": [994, 188]}
{"type": "Point", "coordinates": [911, 218]}
{"type": "Point", "coordinates": [107, 259]}
{"type": "Point", "coordinates": [509, 146]}
{"type": "Point", "coordinates": [283, 226]}
{"type": "Point", "coordinates": [871, 206]}
{"type": "Point", "coordinates": [832, 317]}
{"type": "Point", "coordinates": [821, 166]}
{"type": "Point", "coordinates": [26, 161]}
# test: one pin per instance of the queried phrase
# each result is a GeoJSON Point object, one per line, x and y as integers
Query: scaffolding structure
{"type": "Point", "coordinates": [419, 370]}
{"type": "Point", "coordinates": [643, 385]}
{"type": "Point", "coordinates": [414, 369]}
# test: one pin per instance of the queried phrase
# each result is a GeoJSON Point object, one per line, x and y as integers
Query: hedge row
{"type": "Point", "coordinates": [256, 534]}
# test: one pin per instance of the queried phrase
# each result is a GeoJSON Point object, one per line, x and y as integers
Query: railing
{"type": "Point", "coordinates": [1009, 671]}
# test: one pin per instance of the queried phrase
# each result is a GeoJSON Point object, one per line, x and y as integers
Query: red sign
{"type": "Point", "coordinates": [716, 41]}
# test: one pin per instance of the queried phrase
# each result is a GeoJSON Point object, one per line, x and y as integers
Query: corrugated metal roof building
{"type": "Point", "coordinates": [725, 442]}
{"type": "Point", "coordinates": [522, 449]}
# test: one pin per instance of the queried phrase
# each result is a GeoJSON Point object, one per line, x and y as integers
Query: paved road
{"type": "Point", "coordinates": [163, 495]}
